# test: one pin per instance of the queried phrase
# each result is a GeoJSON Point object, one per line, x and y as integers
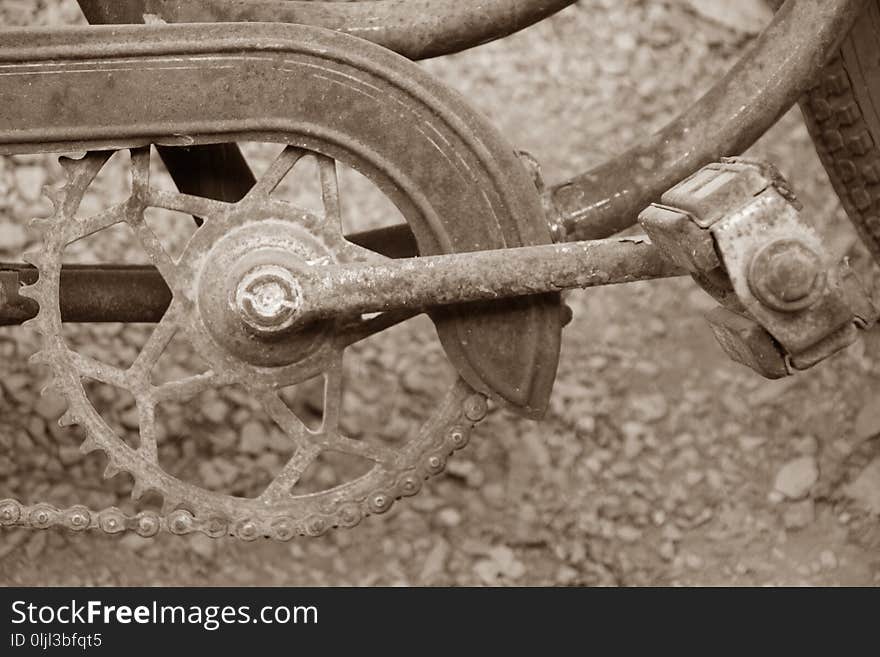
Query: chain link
{"type": "Point", "coordinates": [113, 520]}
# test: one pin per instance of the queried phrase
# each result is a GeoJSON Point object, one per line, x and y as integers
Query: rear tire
{"type": "Point", "coordinates": [842, 112]}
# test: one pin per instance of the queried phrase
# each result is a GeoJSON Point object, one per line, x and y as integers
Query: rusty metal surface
{"type": "Point", "coordinates": [746, 342]}
{"type": "Point", "coordinates": [417, 29]}
{"type": "Point", "coordinates": [416, 283]}
{"type": "Point", "coordinates": [421, 29]}
{"type": "Point", "coordinates": [281, 511]}
{"type": "Point", "coordinates": [767, 257]}
{"type": "Point", "coordinates": [738, 109]}
{"type": "Point", "coordinates": [89, 293]}
{"type": "Point", "coordinates": [459, 185]}
{"type": "Point", "coordinates": [95, 293]}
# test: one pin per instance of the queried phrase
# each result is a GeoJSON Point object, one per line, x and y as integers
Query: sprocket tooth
{"type": "Point", "coordinates": [88, 446]}
{"type": "Point", "coordinates": [67, 419]}
{"type": "Point", "coordinates": [111, 470]}
{"type": "Point", "coordinates": [32, 291]}
{"type": "Point", "coordinates": [49, 388]}
{"type": "Point", "coordinates": [169, 505]}
{"type": "Point", "coordinates": [35, 258]}
{"type": "Point", "coordinates": [33, 324]}
{"type": "Point", "coordinates": [41, 224]}
{"type": "Point", "coordinates": [138, 490]}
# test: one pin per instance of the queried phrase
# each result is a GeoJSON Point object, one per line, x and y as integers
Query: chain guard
{"type": "Point", "coordinates": [458, 183]}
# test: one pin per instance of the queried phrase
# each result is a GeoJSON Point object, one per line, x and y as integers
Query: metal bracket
{"type": "Point", "coordinates": [735, 226]}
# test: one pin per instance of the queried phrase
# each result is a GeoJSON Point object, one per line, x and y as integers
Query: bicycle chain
{"type": "Point", "coordinates": [112, 520]}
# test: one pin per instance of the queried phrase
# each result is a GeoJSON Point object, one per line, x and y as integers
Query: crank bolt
{"type": "Point", "coordinates": [267, 299]}
{"type": "Point", "coordinates": [787, 275]}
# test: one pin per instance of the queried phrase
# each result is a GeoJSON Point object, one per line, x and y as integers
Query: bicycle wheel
{"type": "Point", "coordinates": [842, 112]}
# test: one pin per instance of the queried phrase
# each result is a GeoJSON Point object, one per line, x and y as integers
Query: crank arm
{"type": "Point", "coordinates": [135, 293]}
{"type": "Point", "coordinates": [139, 294]}
{"type": "Point", "coordinates": [417, 283]}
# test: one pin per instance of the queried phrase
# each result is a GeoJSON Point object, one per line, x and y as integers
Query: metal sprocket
{"type": "Point", "coordinates": [279, 512]}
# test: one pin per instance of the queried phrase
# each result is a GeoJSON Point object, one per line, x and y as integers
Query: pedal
{"type": "Point", "coordinates": [736, 226]}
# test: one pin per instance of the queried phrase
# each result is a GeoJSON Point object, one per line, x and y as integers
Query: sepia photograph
{"type": "Point", "coordinates": [435, 294]}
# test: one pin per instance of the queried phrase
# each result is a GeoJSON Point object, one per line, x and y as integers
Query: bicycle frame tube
{"type": "Point", "coordinates": [729, 118]}
{"type": "Point", "coordinates": [417, 29]}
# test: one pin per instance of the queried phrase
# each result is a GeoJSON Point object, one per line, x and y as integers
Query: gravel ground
{"type": "Point", "coordinates": [660, 461]}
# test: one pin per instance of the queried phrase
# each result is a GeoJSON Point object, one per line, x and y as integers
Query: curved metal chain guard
{"type": "Point", "coordinates": [459, 185]}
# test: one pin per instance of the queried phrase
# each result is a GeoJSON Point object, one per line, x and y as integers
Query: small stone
{"type": "Point", "coordinates": [254, 438]}
{"type": "Point", "coordinates": [217, 473]}
{"type": "Point", "coordinates": [867, 423]}
{"type": "Point", "coordinates": [693, 561]}
{"type": "Point", "coordinates": [864, 490]}
{"type": "Point", "coordinates": [29, 181]}
{"type": "Point", "coordinates": [435, 562]}
{"type": "Point", "coordinates": [507, 562]}
{"type": "Point", "coordinates": [715, 479]}
{"type": "Point", "coordinates": [466, 470]}
{"type": "Point", "coordinates": [215, 411]}
{"type": "Point", "coordinates": [632, 438]}
{"type": "Point", "coordinates": [808, 446]}
{"type": "Point", "coordinates": [799, 515]}
{"type": "Point", "coordinates": [495, 494]}
{"type": "Point", "coordinates": [13, 237]}
{"type": "Point", "coordinates": [35, 546]}
{"type": "Point", "coordinates": [796, 477]}
{"type": "Point", "coordinates": [585, 424]}
{"type": "Point", "coordinates": [204, 546]}
{"type": "Point", "coordinates": [842, 447]}
{"type": "Point", "coordinates": [131, 419]}
{"type": "Point", "coordinates": [487, 570]}
{"type": "Point", "coordinates": [628, 534]}
{"type": "Point", "coordinates": [134, 542]}
{"type": "Point", "coordinates": [750, 443]}
{"type": "Point", "coordinates": [566, 575]}
{"type": "Point", "coordinates": [650, 408]}
{"type": "Point", "coordinates": [50, 406]}
{"type": "Point", "coordinates": [667, 550]}
{"type": "Point", "coordinates": [449, 517]}
{"type": "Point", "coordinates": [828, 560]}
{"type": "Point", "coordinates": [693, 477]}
{"type": "Point", "coordinates": [69, 454]}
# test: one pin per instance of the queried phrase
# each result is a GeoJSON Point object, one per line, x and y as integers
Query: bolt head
{"type": "Point", "coordinates": [268, 298]}
{"type": "Point", "coordinates": [787, 275]}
